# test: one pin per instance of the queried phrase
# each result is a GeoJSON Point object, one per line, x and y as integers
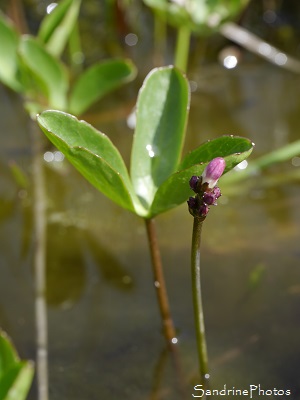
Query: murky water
{"type": "Point", "coordinates": [105, 338]}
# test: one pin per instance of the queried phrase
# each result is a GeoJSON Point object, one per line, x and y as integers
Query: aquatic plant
{"type": "Point", "coordinates": [159, 176]}
{"type": "Point", "coordinates": [138, 202]}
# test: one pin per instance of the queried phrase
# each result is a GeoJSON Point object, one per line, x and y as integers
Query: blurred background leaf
{"type": "Point", "coordinates": [58, 25]}
{"type": "Point", "coordinates": [97, 81]}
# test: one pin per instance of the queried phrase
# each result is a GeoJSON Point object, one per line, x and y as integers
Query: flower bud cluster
{"type": "Point", "coordinates": [205, 188]}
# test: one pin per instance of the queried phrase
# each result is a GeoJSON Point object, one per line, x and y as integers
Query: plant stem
{"type": "Point", "coordinates": [39, 216]}
{"type": "Point", "coordinates": [75, 50]}
{"type": "Point", "coordinates": [159, 283]}
{"type": "Point", "coordinates": [160, 39]}
{"type": "Point", "coordinates": [182, 48]}
{"type": "Point", "coordinates": [163, 302]}
{"type": "Point", "coordinates": [197, 300]}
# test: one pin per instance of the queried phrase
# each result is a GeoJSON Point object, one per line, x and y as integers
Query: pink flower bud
{"type": "Point", "coordinates": [194, 183]}
{"type": "Point", "coordinates": [203, 210]}
{"type": "Point", "coordinates": [217, 192]}
{"type": "Point", "coordinates": [209, 198]}
{"type": "Point", "coordinates": [213, 172]}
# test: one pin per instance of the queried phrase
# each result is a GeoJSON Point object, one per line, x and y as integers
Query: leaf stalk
{"type": "Point", "coordinates": [159, 283]}
{"type": "Point", "coordinates": [182, 48]}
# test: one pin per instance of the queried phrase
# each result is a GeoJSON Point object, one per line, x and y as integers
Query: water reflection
{"type": "Point", "coordinates": [108, 265]}
{"type": "Point", "coordinates": [65, 271]}
{"type": "Point", "coordinates": [70, 251]}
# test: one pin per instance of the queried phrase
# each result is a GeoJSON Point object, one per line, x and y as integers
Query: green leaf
{"type": "Point", "coordinates": [8, 354]}
{"type": "Point", "coordinates": [176, 190]}
{"type": "Point", "coordinates": [162, 110]}
{"type": "Point", "coordinates": [283, 153]}
{"type": "Point", "coordinates": [15, 375]}
{"type": "Point", "coordinates": [47, 73]}
{"type": "Point", "coordinates": [9, 40]}
{"type": "Point", "coordinates": [53, 20]}
{"type": "Point", "coordinates": [220, 147]}
{"type": "Point", "coordinates": [99, 80]}
{"type": "Point", "coordinates": [93, 154]}
{"type": "Point", "coordinates": [57, 26]}
{"type": "Point", "coordinates": [16, 382]}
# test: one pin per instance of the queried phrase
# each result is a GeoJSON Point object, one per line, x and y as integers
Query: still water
{"type": "Point", "coordinates": [105, 339]}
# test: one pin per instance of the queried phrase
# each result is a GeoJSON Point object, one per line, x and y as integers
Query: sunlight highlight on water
{"type": "Point", "coordinates": [230, 62]}
{"type": "Point", "coordinates": [56, 156]}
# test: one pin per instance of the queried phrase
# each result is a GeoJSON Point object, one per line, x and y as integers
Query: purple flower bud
{"type": "Point", "coordinates": [194, 183]}
{"type": "Point", "coordinates": [192, 203]}
{"type": "Point", "coordinates": [203, 210]}
{"type": "Point", "coordinates": [213, 172]}
{"type": "Point", "coordinates": [209, 198]}
{"type": "Point", "coordinates": [217, 192]}
{"type": "Point", "coordinates": [193, 206]}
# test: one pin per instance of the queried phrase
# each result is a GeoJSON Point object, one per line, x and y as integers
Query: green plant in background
{"type": "Point", "coordinates": [30, 66]}
{"type": "Point", "coordinates": [199, 17]}
{"type": "Point", "coordinates": [15, 375]}
{"type": "Point", "coordinates": [159, 177]}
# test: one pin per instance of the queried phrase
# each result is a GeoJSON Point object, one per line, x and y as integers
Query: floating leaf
{"type": "Point", "coordinates": [175, 190]}
{"type": "Point", "coordinates": [93, 154]}
{"type": "Point", "coordinates": [162, 110]}
{"type": "Point", "coordinates": [99, 80]}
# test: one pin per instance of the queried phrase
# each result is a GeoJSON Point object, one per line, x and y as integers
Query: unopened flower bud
{"type": "Point", "coordinates": [213, 172]}
{"type": "Point", "coordinates": [192, 203]}
{"type": "Point", "coordinates": [217, 192]}
{"type": "Point", "coordinates": [197, 208]}
{"type": "Point", "coordinates": [202, 210]}
{"type": "Point", "coordinates": [205, 188]}
{"type": "Point", "coordinates": [209, 198]}
{"type": "Point", "coordinates": [194, 183]}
